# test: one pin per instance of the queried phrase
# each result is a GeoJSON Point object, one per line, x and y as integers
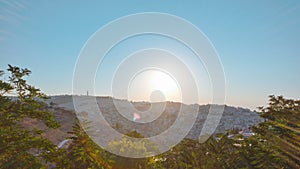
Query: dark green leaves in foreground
{"type": "Point", "coordinates": [21, 147]}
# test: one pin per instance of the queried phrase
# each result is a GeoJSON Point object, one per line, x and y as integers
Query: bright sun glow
{"type": "Point", "coordinates": [148, 82]}
{"type": "Point", "coordinates": [163, 82]}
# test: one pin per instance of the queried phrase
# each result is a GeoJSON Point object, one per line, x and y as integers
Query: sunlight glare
{"type": "Point", "coordinates": [164, 83]}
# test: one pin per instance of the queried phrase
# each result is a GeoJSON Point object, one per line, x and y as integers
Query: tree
{"type": "Point", "coordinates": [216, 152]}
{"type": "Point", "coordinates": [128, 147]}
{"type": "Point", "coordinates": [277, 140]}
{"type": "Point", "coordinates": [84, 153]}
{"type": "Point", "coordinates": [21, 147]}
{"type": "Point", "coordinates": [275, 144]}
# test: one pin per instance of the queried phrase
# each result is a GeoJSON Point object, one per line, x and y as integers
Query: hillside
{"type": "Point", "coordinates": [233, 118]}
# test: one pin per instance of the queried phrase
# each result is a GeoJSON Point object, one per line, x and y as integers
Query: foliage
{"type": "Point", "coordinates": [129, 147]}
{"type": "Point", "coordinates": [84, 153]}
{"type": "Point", "coordinates": [277, 140]}
{"type": "Point", "coordinates": [275, 144]}
{"type": "Point", "coordinates": [19, 146]}
{"type": "Point", "coordinates": [214, 153]}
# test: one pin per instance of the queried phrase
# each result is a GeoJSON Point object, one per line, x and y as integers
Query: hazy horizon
{"type": "Point", "coordinates": [147, 101]}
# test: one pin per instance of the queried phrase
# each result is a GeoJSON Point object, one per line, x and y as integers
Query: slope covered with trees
{"type": "Point", "coordinates": [275, 144]}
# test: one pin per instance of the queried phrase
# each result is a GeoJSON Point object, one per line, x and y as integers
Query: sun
{"type": "Point", "coordinates": [154, 83]}
{"type": "Point", "coordinates": [163, 82]}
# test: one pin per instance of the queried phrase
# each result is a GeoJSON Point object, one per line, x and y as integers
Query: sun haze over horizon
{"type": "Point", "coordinates": [257, 43]}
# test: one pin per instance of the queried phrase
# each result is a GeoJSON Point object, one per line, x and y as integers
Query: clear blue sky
{"type": "Point", "coordinates": [258, 41]}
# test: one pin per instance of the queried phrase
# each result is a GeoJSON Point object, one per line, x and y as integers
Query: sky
{"type": "Point", "coordinates": [257, 42]}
